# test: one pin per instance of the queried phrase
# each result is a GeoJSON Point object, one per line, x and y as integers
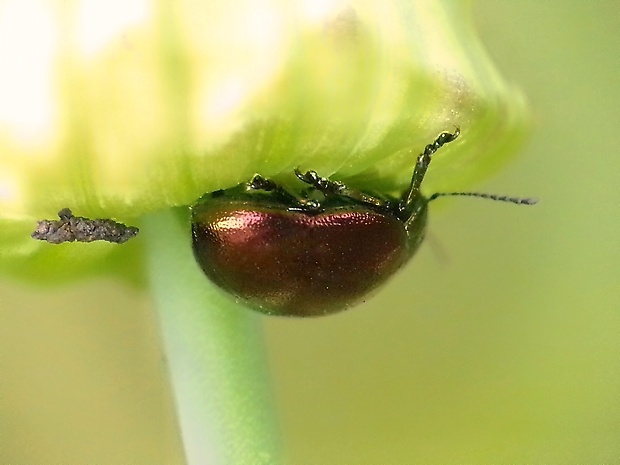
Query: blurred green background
{"type": "Point", "coordinates": [498, 344]}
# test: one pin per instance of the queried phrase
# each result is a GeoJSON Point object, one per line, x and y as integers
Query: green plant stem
{"type": "Point", "coordinates": [215, 356]}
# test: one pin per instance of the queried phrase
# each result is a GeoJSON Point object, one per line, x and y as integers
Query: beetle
{"type": "Point", "coordinates": [289, 255]}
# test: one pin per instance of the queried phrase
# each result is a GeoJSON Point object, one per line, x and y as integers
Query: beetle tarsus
{"type": "Point", "coordinates": [329, 187]}
{"type": "Point", "coordinates": [303, 203]}
{"type": "Point", "coordinates": [324, 185]}
{"type": "Point", "coordinates": [263, 184]}
{"type": "Point", "coordinates": [442, 139]}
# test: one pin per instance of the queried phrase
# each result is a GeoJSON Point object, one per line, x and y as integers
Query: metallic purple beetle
{"type": "Point", "coordinates": [290, 255]}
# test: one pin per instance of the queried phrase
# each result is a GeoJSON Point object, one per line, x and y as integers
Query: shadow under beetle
{"type": "Point", "coordinates": [290, 255]}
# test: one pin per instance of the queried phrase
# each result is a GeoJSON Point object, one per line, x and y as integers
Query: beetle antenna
{"type": "Point", "coordinates": [499, 198]}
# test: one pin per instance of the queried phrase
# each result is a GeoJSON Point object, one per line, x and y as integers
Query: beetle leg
{"type": "Point", "coordinates": [299, 203]}
{"type": "Point", "coordinates": [263, 184]}
{"type": "Point", "coordinates": [413, 195]}
{"type": "Point", "coordinates": [336, 188]}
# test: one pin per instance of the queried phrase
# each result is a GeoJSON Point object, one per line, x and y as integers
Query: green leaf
{"type": "Point", "coordinates": [130, 111]}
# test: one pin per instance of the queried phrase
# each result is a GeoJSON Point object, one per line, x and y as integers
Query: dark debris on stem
{"type": "Point", "coordinates": [71, 228]}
